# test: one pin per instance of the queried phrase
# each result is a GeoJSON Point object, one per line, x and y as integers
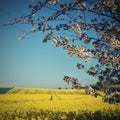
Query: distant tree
{"type": "Point", "coordinates": [89, 29]}
{"type": "Point", "coordinates": [59, 88]}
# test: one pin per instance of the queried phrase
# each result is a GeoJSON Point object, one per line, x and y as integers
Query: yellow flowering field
{"type": "Point", "coordinates": [45, 104]}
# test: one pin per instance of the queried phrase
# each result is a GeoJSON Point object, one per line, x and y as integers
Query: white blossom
{"type": "Point", "coordinates": [53, 2]}
{"type": "Point", "coordinates": [54, 41]}
{"type": "Point", "coordinates": [33, 29]}
{"type": "Point", "coordinates": [58, 37]}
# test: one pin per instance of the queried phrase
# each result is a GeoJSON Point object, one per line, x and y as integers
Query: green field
{"type": "Point", "coordinates": [54, 104]}
{"type": "Point", "coordinates": [4, 90]}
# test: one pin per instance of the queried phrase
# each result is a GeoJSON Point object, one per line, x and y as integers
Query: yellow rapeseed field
{"type": "Point", "coordinates": [20, 103]}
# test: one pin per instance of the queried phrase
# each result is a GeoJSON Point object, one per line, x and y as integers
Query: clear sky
{"type": "Point", "coordinates": [31, 63]}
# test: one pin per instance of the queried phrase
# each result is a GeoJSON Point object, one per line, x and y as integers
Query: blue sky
{"type": "Point", "coordinates": [31, 63]}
